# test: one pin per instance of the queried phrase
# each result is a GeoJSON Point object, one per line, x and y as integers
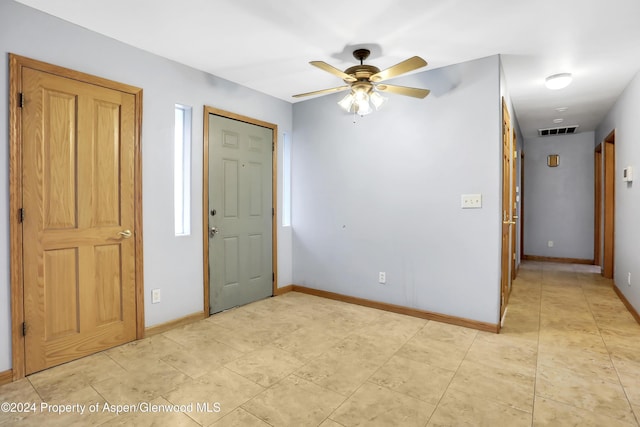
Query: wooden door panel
{"type": "Point", "coordinates": [108, 284]}
{"type": "Point", "coordinates": [61, 293]}
{"type": "Point", "coordinates": [78, 195]}
{"type": "Point", "coordinates": [60, 204]}
{"type": "Point", "coordinates": [106, 164]}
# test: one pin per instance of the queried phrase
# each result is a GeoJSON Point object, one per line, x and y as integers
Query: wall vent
{"type": "Point", "coordinates": [564, 130]}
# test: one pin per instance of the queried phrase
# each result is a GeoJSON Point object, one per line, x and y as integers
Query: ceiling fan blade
{"type": "Point", "coordinates": [333, 70]}
{"type": "Point", "coordinates": [403, 90]}
{"type": "Point", "coordinates": [318, 92]}
{"type": "Point", "coordinates": [405, 66]}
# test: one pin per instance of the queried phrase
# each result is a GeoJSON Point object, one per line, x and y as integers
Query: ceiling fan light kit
{"type": "Point", "coordinates": [363, 80]}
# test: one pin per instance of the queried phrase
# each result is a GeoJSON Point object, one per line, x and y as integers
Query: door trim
{"type": "Point", "coordinates": [205, 195]}
{"type": "Point", "coordinates": [608, 262]}
{"type": "Point", "coordinates": [521, 204]}
{"type": "Point", "coordinates": [16, 64]}
{"type": "Point", "coordinates": [597, 215]}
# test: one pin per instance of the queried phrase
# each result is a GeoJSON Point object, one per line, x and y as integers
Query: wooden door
{"type": "Point", "coordinates": [597, 214]}
{"type": "Point", "coordinates": [521, 219]}
{"type": "Point", "coordinates": [507, 158]}
{"type": "Point", "coordinates": [609, 205]}
{"type": "Point", "coordinates": [78, 198]}
{"type": "Point", "coordinates": [514, 205]}
{"type": "Point", "coordinates": [240, 212]}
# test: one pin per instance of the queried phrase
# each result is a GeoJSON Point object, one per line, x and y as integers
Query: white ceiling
{"type": "Point", "coordinates": [267, 44]}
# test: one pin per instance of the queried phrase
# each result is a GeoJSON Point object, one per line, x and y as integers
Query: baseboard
{"type": "Point", "coordinates": [283, 290]}
{"type": "Point", "coordinates": [163, 327]}
{"type": "Point", "coordinates": [443, 318]}
{"type": "Point", "coordinates": [559, 260]}
{"type": "Point", "coordinates": [626, 303]}
{"type": "Point", "coordinates": [6, 377]}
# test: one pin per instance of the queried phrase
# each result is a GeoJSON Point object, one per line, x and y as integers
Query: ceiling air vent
{"type": "Point", "coordinates": [564, 130]}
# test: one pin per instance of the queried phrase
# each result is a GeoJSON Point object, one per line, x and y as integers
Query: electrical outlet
{"type": "Point", "coordinates": [155, 296]}
{"type": "Point", "coordinates": [550, 243]}
{"type": "Point", "coordinates": [471, 201]}
{"type": "Point", "coordinates": [629, 278]}
{"type": "Point", "coordinates": [382, 277]}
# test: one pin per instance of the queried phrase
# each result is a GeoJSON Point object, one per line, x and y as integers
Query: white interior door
{"type": "Point", "coordinates": [240, 212]}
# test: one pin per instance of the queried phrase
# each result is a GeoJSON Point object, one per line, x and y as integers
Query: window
{"type": "Point", "coordinates": [182, 171]}
{"type": "Point", "coordinates": [286, 181]}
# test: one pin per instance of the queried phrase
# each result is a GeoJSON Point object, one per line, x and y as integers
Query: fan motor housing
{"type": "Point", "coordinates": [362, 72]}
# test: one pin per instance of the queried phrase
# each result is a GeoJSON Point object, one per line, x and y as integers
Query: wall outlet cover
{"type": "Point", "coordinates": [155, 296]}
{"type": "Point", "coordinates": [471, 201]}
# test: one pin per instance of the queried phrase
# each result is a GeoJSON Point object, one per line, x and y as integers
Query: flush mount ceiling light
{"type": "Point", "coordinates": [363, 83]}
{"type": "Point", "coordinates": [558, 81]}
{"type": "Point", "coordinates": [558, 120]}
{"type": "Point", "coordinates": [562, 109]}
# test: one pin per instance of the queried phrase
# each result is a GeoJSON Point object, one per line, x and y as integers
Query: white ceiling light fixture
{"type": "Point", "coordinates": [558, 81]}
{"type": "Point", "coordinates": [360, 98]}
{"type": "Point", "coordinates": [558, 120]}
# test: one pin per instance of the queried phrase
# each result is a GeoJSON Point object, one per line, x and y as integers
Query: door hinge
{"type": "Point", "coordinates": [273, 212]}
{"type": "Point", "coordinates": [24, 329]}
{"type": "Point", "coordinates": [20, 100]}
{"type": "Point", "coordinates": [273, 277]}
{"type": "Point", "coordinates": [515, 154]}
{"type": "Point", "coordinates": [21, 215]}
{"type": "Point", "coordinates": [273, 146]}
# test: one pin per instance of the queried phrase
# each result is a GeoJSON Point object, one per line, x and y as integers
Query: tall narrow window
{"type": "Point", "coordinates": [182, 171]}
{"type": "Point", "coordinates": [286, 181]}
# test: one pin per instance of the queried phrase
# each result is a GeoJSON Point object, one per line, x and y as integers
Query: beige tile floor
{"type": "Point", "coordinates": [569, 354]}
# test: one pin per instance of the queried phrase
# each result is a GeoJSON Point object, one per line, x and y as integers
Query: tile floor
{"type": "Point", "coordinates": [569, 354]}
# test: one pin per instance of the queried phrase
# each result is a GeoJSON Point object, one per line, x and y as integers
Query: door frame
{"type": "Point", "coordinates": [521, 204]}
{"type": "Point", "coordinates": [597, 196]}
{"type": "Point", "coordinates": [506, 207]}
{"type": "Point", "coordinates": [514, 204]}
{"type": "Point", "coordinates": [16, 64]}
{"type": "Point", "coordinates": [609, 194]}
{"type": "Point", "coordinates": [205, 195]}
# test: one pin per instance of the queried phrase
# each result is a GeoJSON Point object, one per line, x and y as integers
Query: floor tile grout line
{"type": "Point", "coordinates": [452, 377]}
{"type": "Point", "coordinates": [535, 382]}
{"type": "Point", "coordinates": [609, 354]}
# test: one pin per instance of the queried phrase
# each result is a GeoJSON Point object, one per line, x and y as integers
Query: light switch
{"type": "Point", "coordinates": [471, 201]}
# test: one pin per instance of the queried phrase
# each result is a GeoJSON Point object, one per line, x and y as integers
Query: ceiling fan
{"type": "Point", "coordinates": [364, 82]}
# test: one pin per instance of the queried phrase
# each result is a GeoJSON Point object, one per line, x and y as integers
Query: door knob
{"type": "Point", "coordinates": [125, 234]}
{"type": "Point", "coordinates": [213, 231]}
{"type": "Point", "coordinates": [508, 222]}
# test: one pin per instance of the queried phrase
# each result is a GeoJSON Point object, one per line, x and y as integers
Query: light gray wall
{"type": "Point", "coordinates": [383, 194]}
{"type": "Point", "coordinates": [173, 264]}
{"type": "Point", "coordinates": [559, 201]}
{"type": "Point", "coordinates": [623, 117]}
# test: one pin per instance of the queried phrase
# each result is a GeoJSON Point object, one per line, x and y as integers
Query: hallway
{"type": "Point", "coordinates": [569, 354]}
